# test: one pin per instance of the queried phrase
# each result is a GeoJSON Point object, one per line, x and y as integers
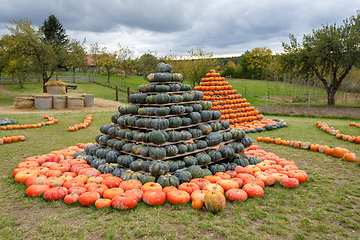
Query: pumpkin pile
{"type": "Point", "coordinates": [337, 152]}
{"type": "Point", "coordinates": [323, 126]}
{"type": "Point", "coordinates": [7, 121]}
{"type": "Point", "coordinates": [12, 139]}
{"type": "Point", "coordinates": [63, 175]}
{"type": "Point", "coordinates": [234, 109]}
{"type": "Point", "coordinates": [84, 124]}
{"type": "Point", "coordinates": [50, 121]}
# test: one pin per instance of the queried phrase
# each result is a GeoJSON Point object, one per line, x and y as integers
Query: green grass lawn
{"type": "Point", "coordinates": [327, 206]}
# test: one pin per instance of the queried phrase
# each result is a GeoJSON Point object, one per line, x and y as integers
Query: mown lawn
{"type": "Point", "coordinates": [327, 206]}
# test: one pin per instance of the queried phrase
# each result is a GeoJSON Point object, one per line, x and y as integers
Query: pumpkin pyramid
{"type": "Point", "coordinates": [169, 134]}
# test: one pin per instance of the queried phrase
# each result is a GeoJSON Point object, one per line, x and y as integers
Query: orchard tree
{"type": "Point", "coordinates": [328, 54]}
{"type": "Point", "coordinates": [95, 54]}
{"type": "Point", "coordinates": [147, 63]}
{"type": "Point", "coordinates": [30, 45]}
{"type": "Point", "coordinates": [258, 61]}
{"type": "Point", "coordinates": [4, 57]}
{"type": "Point", "coordinates": [107, 61]}
{"type": "Point", "coordinates": [124, 55]}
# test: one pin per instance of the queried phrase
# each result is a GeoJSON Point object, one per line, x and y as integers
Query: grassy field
{"type": "Point", "coordinates": [327, 206]}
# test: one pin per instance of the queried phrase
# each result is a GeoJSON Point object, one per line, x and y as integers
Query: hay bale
{"type": "Point", "coordinates": [75, 102]}
{"type": "Point", "coordinates": [56, 83]}
{"type": "Point", "coordinates": [23, 102]}
{"type": "Point", "coordinates": [43, 101]}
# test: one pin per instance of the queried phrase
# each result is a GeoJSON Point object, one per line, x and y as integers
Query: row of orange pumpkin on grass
{"type": "Point", "coordinates": [12, 139]}
{"type": "Point", "coordinates": [84, 124]}
{"type": "Point", "coordinates": [50, 121]}
{"type": "Point", "coordinates": [353, 124]}
{"type": "Point", "coordinates": [58, 176]}
{"type": "Point", "coordinates": [337, 152]}
{"type": "Point", "coordinates": [323, 126]}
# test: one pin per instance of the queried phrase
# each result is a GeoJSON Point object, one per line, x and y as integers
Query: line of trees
{"type": "Point", "coordinates": [328, 55]}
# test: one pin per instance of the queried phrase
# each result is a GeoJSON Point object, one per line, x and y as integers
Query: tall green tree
{"type": "Point", "coordinates": [54, 31]}
{"type": "Point", "coordinates": [107, 61]}
{"type": "Point", "coordinates": [147, 63]}
{"type": "Point", "coordinates": [258, 61]}
{"type": "Point", "coordinates": [4, 57]}
{"type": "Point", "coordinates": [26, 42]}
{"type": "Point", "coordinates": [328, 53]}
{"type": "Point", "coordinates": [95, 54]}
{"type": "Point", "coordinates": [124, 55]}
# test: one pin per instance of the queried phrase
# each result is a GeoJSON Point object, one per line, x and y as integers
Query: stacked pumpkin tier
{"type": "Point", "coordinates": [168, 133]}
{"type": "Point", "coordinates": [225, 99]}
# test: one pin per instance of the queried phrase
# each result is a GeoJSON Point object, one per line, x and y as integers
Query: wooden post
{"type": "Point", "coordinates": [309, 103]}
{"type": "Point", "coordinates": [57, 78]}
{"type": "Point", "coordinates": [265, 104]}
{"type": "Point", "coordinates": [73, 78]}
{"type": "Point", "coordinates": [117, 96]}
{"type": "Point", "coordinates": [128, 94]}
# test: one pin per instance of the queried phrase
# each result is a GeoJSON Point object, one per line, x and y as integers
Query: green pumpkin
{"type": "Point", "coordinates": [224, 124]}
{"type": "Point", "coordinates": [108, 168]}
{"type": "Point", "coordinates": [226, 151]}
{"type": "Point", "coordinates": [141, 98]}
{"type": "Point", "coordinates": [162, 88]}
{"type": "Point", "coordinates": [226, 136]}
{"type": "Point", "coordinates": [201, 144]}
{"type": "Point", "coordinates": [205, 128]}
{"type": "Point", "coordinates": [171, 150]}
{"type": "Point", "coordinates": [121, 132]}
{"type": "Point", "coordinates": [183, 176]}
{"type": "Point", "coordinates": [207, 172]}
{"type": "Point", "coordinates": [214, 139]}
{"type": "Point", "coordinates": [203, 158]}
{"type": "Point", "coordinates": [132, 98]}
{"type": "Point", "coordinates": [105, 128]}
{"type": "Point", "coordinates": [185, 135]}
{"type": "Point", "coordinates": [157, 137]}
{"type": "Point", "coordinates": [158, 168]}
{"type": "Point", "coordinates": [147, 177]}
{"type": "Point", "coordinates": [198, 95]}
{"type": "Point", "coordinates": [196, 107]}
{"type": "Point", "coordinates": [160, 123]}
{"type": "Point", "coordinates": [123, 109]}
{"type": "Point", "coordinates": [163, 67]}
{"type": "Point", "coordinates": [131, 121]}
{"type": "Point", "coordinates": [216, 126]}
{"type": "Point", "coordinates": [243, 162]}
{"type": "Point", "coordinates": [135, 149]}
{"type": "Point", "coordinates": [127, 147]}
{"type": "Point", "coordinates": [206, 116]}
{"type": "Point", "coordinates": [188, 97]}
{"type": "Point", "coordinates": [190, 160]}
{"type": "Point", "coordinates": [143, 88]}
{"type": "Point", "coordinates": [175, 87]}
{"type": "Point", "coordinates": [128, 174]}
{"type": "Point", "coordinates": [191, 147]}
{"type": "Point", "coordinates": [151, 111]}
{"type": "Point", "coordinates": [136, 165]}
{"type": "Point", "coordinates": [140, 122]}
{"type": "Point", "coordinates": [237, 146]}
{"type": "Point", "coordinates": [162, 77]}
{"type": "Point", "coordinates": [150, 99]}
{"type": "Point", "coordinates": [195, 117]}
{"type": "Point", "coordinates": [162, 111]}
{"type": "Point", "coordinates": [195, 132]}
{"type": "Point", "coordinates": [237, 133]}
{"type": "Point", "coordinates": [174, 165]}
{"type": "Point", "coordinates": [246, 141]}
{"type": "Point", "coordinates": [174, 136]}
{"type": "Point", "coordinates": [157, 153]}
{"type": "Point", "coordinates": [114, 117]}
{"type": "Point", "coordinates": [215, 168]}
{"type": "Point", "coordinates": [118, 171]}
{"type": "Point", "coordinates": [176, 77]}
{"type": "Point", "coordinates": [144, 151]}
{"type": "Point", "coordinates": [215, 155]}
{"type": "Point", "coordinates": [176, 98]}
{"type": "Point", "coordinates": [206, 105]}
{"type": "Point", "coordinates": [216, 115]}
{"type": "Point", "coordinates": [112, 156]}
{"type": "Point", "coordinates": [150, 77]}
{"type": "Point", "coordinates": [175, 122]}
{"type": "Point", "coordinates": [229, 166]}
{"type": "Point", "coordinates": [145, 137]}
{"type": "Point", "coordinates": [133, 109]}
{"type": "Point", "coordinates": [182, 148]}
{"type": "Point", "coordinates": [168, 180]}
{"type": "Point", "coordinates": [196, 171]}
{"type": "Point", "coordinates": [188, 109]}
{"type": "Point", "coordinates": [145, 165]}
{"type": "Point", "coordinates": [185, 87]}
{"type": "Point", "coordinates": [125, 160]}
{"type": "Point", "coordinates": [119, 145]}
{"type": "Point", "coordinates": [162, 98]}
{"type": "Point", "coordinates": [186, 121]}
{"type": "Point", "coordinates": [177, 109]}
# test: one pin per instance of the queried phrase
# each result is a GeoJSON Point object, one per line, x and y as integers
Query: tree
{"type": "Point", "coordinates": [26, 42]}
{"type": "Point", "coordinates": [77, 55]}
{"type": "Point", "coordinates": [54, 31]}
{"type": "Point", "coordinates": [95, 53]}
{"type": "Point", "coordinates": [229, 69]}
{"type": "Point", "coordinates": [107, 61]}
{"type": "Point", "coordinates": [147, 63]}
{"type": "Point", "coordinates": [258, 60]}
{"type": "Point", "coordinates": [328, 54]}
{"type": "Point", "coordinates": [4, 57]}
{"type": "Point", "coordinates": [124, 55]}
{"type": "Point", "coordinates": [196, 65]}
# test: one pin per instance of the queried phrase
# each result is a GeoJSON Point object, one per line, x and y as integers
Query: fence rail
{"type": "Point", "coordinates": [37, 79]}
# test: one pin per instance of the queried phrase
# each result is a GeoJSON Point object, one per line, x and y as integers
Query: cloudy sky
{"type": "Point", "coordinates": [223, 27]}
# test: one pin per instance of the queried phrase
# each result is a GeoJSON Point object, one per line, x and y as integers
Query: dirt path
{"type": "Point", "coordinates": [99, 105]}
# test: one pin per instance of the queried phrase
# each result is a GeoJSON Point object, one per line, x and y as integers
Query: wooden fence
{"type": "Point", "coordinates": [37, 79]}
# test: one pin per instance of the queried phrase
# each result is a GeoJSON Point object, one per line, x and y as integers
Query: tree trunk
{"type": "Point", "coordinates": [331, 97]}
